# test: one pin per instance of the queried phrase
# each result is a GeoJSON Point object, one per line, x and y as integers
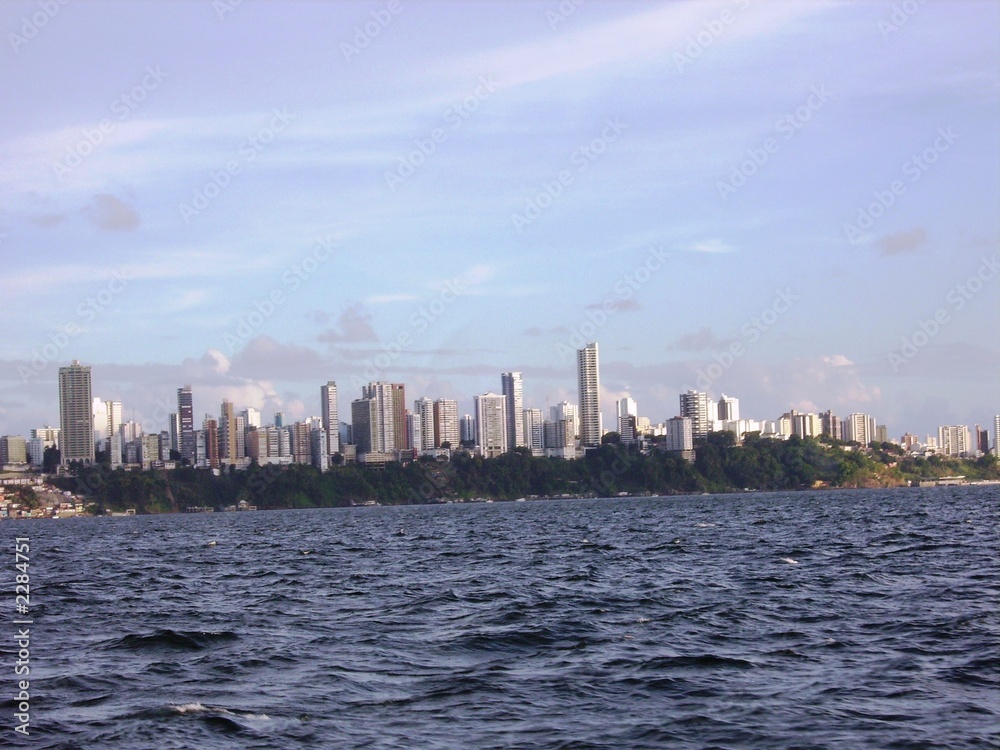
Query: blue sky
{"type": "Point", "coordinates": [795, 203]}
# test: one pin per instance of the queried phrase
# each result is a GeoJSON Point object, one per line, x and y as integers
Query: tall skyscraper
{"type": "Point", "coordinates": [701, 410]}
{"type": "Point", "coordinates": [400, 435]}
{"type": "Point", "coordinates": [590, 395]}
{"type": "Point", "coordinates": [565, 411]}
{"type": "Point", "coordinates": [512, 389]}
{"type": "Point", "coordinates": [467, 429]}
{"type": "Point", "coordinates": [364, 425]}
{"type": "Point", "coordinates": [330, 415]}
{"type": "Point", "coordinates": [491, 424]}
{"type": "Point", "coordinates": [996, 435]}
{"type": "Point", "coordinates": [390, 416]}
{"type": "Point", "coordinates": [76, 417]}
{"type": "Point", "coordinates": [831, 425]}
{"type": "Point", "coordinates": [953, 440]}
{"type": "Point", "coordinates": [185, 416]}
{"type": "Point", "coordinates": [425, 408]}
{"type": "Point", "coordinates": [859, 428]}
{"type": "Point", "coordinates": [99, 413]}
{"type": "Point", "coordinates": [114, 416]}
{"type": "Point", "coordinates": [415, 431]}
{"type": "Point", "coordinates": [628, 414]}
{"type": "Point", "coordinates": [251, 417]}
{"type": "Point", "coordinates": [279, 419]}
{"type": "Point", "coordinates": [680, 434]}
{"type": "Point", "coordinates": [227, 432]}
{"type": "Point", "coordinates": [728, 409]}
{"type": "Point", "coordinates": [534, 430]}
{"type": "Point", "coordinates": [446, 427]}
{"type": "Point", "coordinates": [210, 430]}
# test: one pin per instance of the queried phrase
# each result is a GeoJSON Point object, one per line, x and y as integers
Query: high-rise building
{"type": "Point", "coordinates": [210, 430]}
{"type": "Point", "coordinates": [390, 416]}
{"type": "Point", "coordinates": [565, 411]}
{"type": "Point", "coordinates": [185, 416]}
{"type": "Point", "coordinates": [400, 436]}
{"type": "Point", "coordinates": [491, 424]}
{"type": "Point", "coordinates": [953, 440]}
{"type": "Point", "coordinates": [364, 425]}
{"type": "Point", "coordinates": [513, 390]}
{"type": "Point", "coordinates": [807, 425]}
{"type": "Point", "coordinates": [318, 448]}
{"type": "Point", "coordinates": [467, 429]}
{"type": "Point", "coordinates": [701, 410]}
{"type": "Point", "coordinates": [99, 414]}
{"type": "Point", "coordinates": [330, 416]}
{"type": "Point", "coordinates": [982, 441]}
{"type": "Point", "coordinates": [415, 430]}
{"type": "Point", "coordinates": [588, 376]}
{"type": "Point", "coordinates": [251, 417]}
{"type": "Point", "coordinates": [13, 450]}
{"type": "Point", "coordinates": [446, 427]}
{"type": "Point", "coordinates": [859, 428]}
{"type": "Point", "coordinates": [831, 425]}
{"type": "Point", "coordinates": [279, 419]}
{"type": "Point", "coordinates": [241, 436]}
{"type": "Point", "coordinates": [301, 435]}
{"type": "Point", "coordinates": [228, 445]}
{"type": "Point", "coordinates": [996, 435]}
{"type": "Point", "coordinates": [114, 409]}
{"type": "Point", "coordinates": [680, 434]}
{"type": "Point", "coordinates": [424, 407]}
{"type": "Point", "coordinates": [76, 417]}
{"type": "Point", "coordinates": [728, 409]}
{"type": "Point", "coordinates": [627, 414]}
{"type": "Point", "coordinates": [534, 430]}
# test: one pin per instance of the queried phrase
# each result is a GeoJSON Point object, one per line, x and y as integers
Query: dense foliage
{"type": "Point", "coordinates": [611, 469]}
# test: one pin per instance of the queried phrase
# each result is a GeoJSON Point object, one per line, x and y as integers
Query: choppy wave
{"type": "Point", "coordinates": [863, 619]}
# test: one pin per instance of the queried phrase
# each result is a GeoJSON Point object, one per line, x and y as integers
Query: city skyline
{"type": "Point", "coordinates": [795, 203]}
{"type": "Point", "coordinates": [383, 426]}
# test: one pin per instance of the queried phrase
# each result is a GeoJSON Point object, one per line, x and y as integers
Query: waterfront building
{"type": "Point", "coordinates": [859, 428]}
{"type": "Point", "coordinates": [679, 434]}
{"type": "Point", "coordinates": [589, 388]}
{"type": "Point", "coordinates": [446, 426]}
{"type": "Point", "coordinates": [700, 409]}
{"type": "Point", "coordinates": [76, 418]}
{"type": "Point", "coordinates": [330, 416]}
{"type": "Point", "coordinates": [953, 440]}
{"type": "Point", "coordinates": [185, 416]}
{"type": "Point", "coordinates": [491, 424]}
{"type": "Point", "coordinates": [512, 389]}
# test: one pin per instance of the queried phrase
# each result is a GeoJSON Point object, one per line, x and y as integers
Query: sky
{"type": "Point", "coordinates": [793, 203]}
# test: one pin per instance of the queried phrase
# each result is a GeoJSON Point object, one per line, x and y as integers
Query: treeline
{"type": "Point", "coordinates": [611, 469]}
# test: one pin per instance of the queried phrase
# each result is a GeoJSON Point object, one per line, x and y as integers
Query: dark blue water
{"type": "Point", "coordinates": [861, 619]}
